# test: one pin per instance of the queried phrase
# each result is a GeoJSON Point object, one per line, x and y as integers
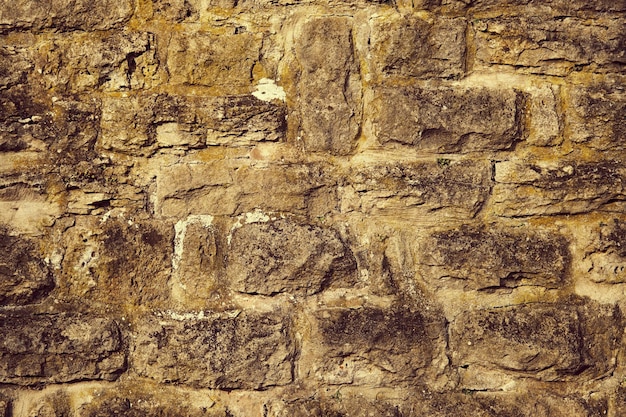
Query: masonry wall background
{"type": "Point", "coordinates": [312, 208]}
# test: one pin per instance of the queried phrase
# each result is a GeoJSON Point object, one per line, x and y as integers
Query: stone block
{"type": "Point", "coordinates": [231, 351]}
{"type": "Point", "coordinates": [24, 276]}
{"type": "Point", "coordinates": [283, 255]}
{"type": "Point", "coordinates": [605, 256]}
{"type": "Point", "coordinates": [492, 257]}
{"type": "Point", "coordinates": [447, 120]}
{"type": "Point", "coordinates": [564, 187]}
{"type": "Point", "coordinates": [395, 52]}
{"type": "Point", "coordinates": [556, 46]}
{"type": "Point", "coordinates": [566, 7]}
{"type": "Point", "coordinates": [597, 116]}
{"type": "Point", "coordinates": [545, 124]}
{"type": "Point", "coordinates": [213, 60]}
{"type": "Point", "coordinates": [457, 188]}
{"type": "Point", "coordinates": [328, 86]}
{"type": "Point", "coordinates": [376, 346]}
{"type": "Point", "coordinates": [56, 348]}
{"type": "Point", "coordinates": [64, 15]}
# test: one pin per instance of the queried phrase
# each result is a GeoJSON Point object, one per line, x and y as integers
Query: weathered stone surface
{"type": "Point", "coordinates": [544, 341]}
{"type": "Point", "coordinates": [606, 255]}
{"type": "Point", "coordinates": [24, 276]}
{"type": "Point", "coordinates": [5, 407]}
{"type": "Point", "coordinates": [282, 255]}
{"type": "Point", "coordinates": [328, 85]}
{"type": "Point", "coordinates": [64, 15]}
{"type": "Point", "coordinates": [213, 59]}
{"type": "Point", "coordinates": [486, 257]}
{"type": "Point", "coordinates": [165, 121]}
{"type": "Point", "coordinates": [104, 259]}
{"type": "Point", "coordinates": [15, 64]}
{"type": "Point", "coordinates": [117, 61]}
{"type": "Point", "coordinates": [554, 46]}
{"type": "Point", "coordinates": [395, 52]}
{"type": "Point", "coordinates": [545, 125]}
{"type": "Point", "coordinates": [241, 350]}
{"type": "Point", "coordinates": [558, 6]}
{"type": "Point", "coordinates": [379, 346]}
{"type": "Point", "coordinates": [456, 187]}
{"type": "Point", "coordinates": [446, 120]}
{"type": "Point", "coordinates": [525, 189]}
{"type": "Point", "coordinates": [55, 348]}
{"type": "Point", "coordinates": [27, 208]}
{"type": "Point", "coordinates": [598, 116]}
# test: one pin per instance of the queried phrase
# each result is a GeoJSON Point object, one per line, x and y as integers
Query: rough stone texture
{"type": "Point", "coordinates": [64, 15]}
{"type": "Point", "coordinates": [493, 257]}
{"type": "Point", "coordinates": [448, 120]}
{"type": "Point", "coordinates": [24, 276]}
{"type": "Point", "coordinates": [598, 117]}
{"type": "Point", "coordinates": [284, 256]}
{"type": "Point", "coordinates": [606, 255]}
{"type": "Point", "coordinates": [545, 125]}
{"type": "Point", "coordinates": [58, 348]}
{"type": "Point", "coordinates": [554, 46]}
{"type": "Point", "coordinates": [525, 189]}
{"type": "Point", "coordinates": [372, 345]}
{"type": "Point", "coordinates": [456, 187]}
{"type": "Point", "coordinates": [328, 86]}
{"type": "Point", "coordinates": [548, 342]}
{"type": "Point", "coordinates": [236, 350]}
{"type": "Point", "coordinates": [441, 51]}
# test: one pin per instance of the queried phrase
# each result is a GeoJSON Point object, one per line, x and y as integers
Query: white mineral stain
{"type": "Point", "coordinates": [181, 230]}
{"type": "Point", "coordinates": [267, 90]}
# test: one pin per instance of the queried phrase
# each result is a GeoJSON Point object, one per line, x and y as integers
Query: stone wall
{"type": "Point", "coordinates": [312, 208]}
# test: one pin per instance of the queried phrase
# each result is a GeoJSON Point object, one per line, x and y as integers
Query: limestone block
{"type": "Point", "coordinates": [597, 116]}
{"type": "Point", "coordinates": [24, 276]}
{"type": "Point", "coordinates": [26, 208]}
{"type": "Point", "coordinates": [283, 255]}
{"type": "Point", "coordinates": [556, 46]}
{"type": "Point", "coordinates": [457, 188]}
{"type": "Point", "coordinates": [495, 257]}
{"type": "Point", "coordinates": [64, 15]}
{"type": "Point", "coordinates": [236, 351]}
{"type": "Point", "coordinates": [328, 85]}
{"type": "Point", "coordinates": [408, 46]}
{"type": "Point", "coordinates": [544, 341]}
{"type": "Point", "coordinates": [54, 348]}
{"type": "Point", "coordinates": [545, 125]}
{"type": "Point", "coordinates": [446, 120]}
{"type": "Point", "coordinates": [376, 346]}
{"type": "Point", "coordinates": [525, 189]}
{"type": "Point", "coordinates": [606, 254]}
{"type": "Point", "coordinates": [213, 59]}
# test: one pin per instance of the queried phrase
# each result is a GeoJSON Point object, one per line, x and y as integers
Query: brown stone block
{"type": "Point", "coordinates": [64, 15]}
{"type": "Point", "coordinates": [56, 348]}
{"type": "Point", "coordinates": [458, 188]}
{"type": "Point", "coordinates": [213, 59]}
{"type": "Point", "coordinates": [408, 46]}
{"type": "Point", "coordinates": [236, 351]}
{"type": "Point", "coordinates": [555, 46]}
{"type": "Point", "coordinates": [525, 189]}
{"type": "Point", "coordinates": [24, 276]}
{"type": "Point", "coordinates": [446, 120]}
{"type": "Point", "coordinates": [606, 254]}
{"type": "Point", "coordinates": [493, 257]}
{"type": "Point", "coordinates": [597, 116]}
{"type": "Point", "coordinates": [559, 6]}
{"type": "Point", "coordinates": [328, 85]}
{"type": "Point", "coordinates": [282, 255]}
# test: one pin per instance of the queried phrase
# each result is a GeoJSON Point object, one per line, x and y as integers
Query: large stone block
{"type": "Point", "coordinates": [456, 188]}
{"type": "Point", "coordinates": [230, 351]}
{"type": "Point", "coordinates": [328, 86]}
{"type": "Point", "coordinates": [376, 346]}
{"type": "Point", "coordinates": [566, 187]}
{"type": "Point", "coordinates": [54, 348]}
{"type": "Point", "coordinates": [446, 120]}
{"type": "Point", "coordinates": [213, 59]}
{"type": "Point", "coordinates": [64, 15]}
{"type": "Point", "coordinates": [543, 341]}
{"type": "Point", "coordinates": [282, 255]}
{"type": "Point", "coordinates": [408, 46]}
{"type": "Point", "coordinates": [24, 276]}
{"type": "Point", "coordinates": [605, 256]}
{"type": "Point", "coordinates": [556, 46]}
{"type": "Point", "coordinates": [597, 116]}
{"type": "Point", "coordinates": [478, 258]}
